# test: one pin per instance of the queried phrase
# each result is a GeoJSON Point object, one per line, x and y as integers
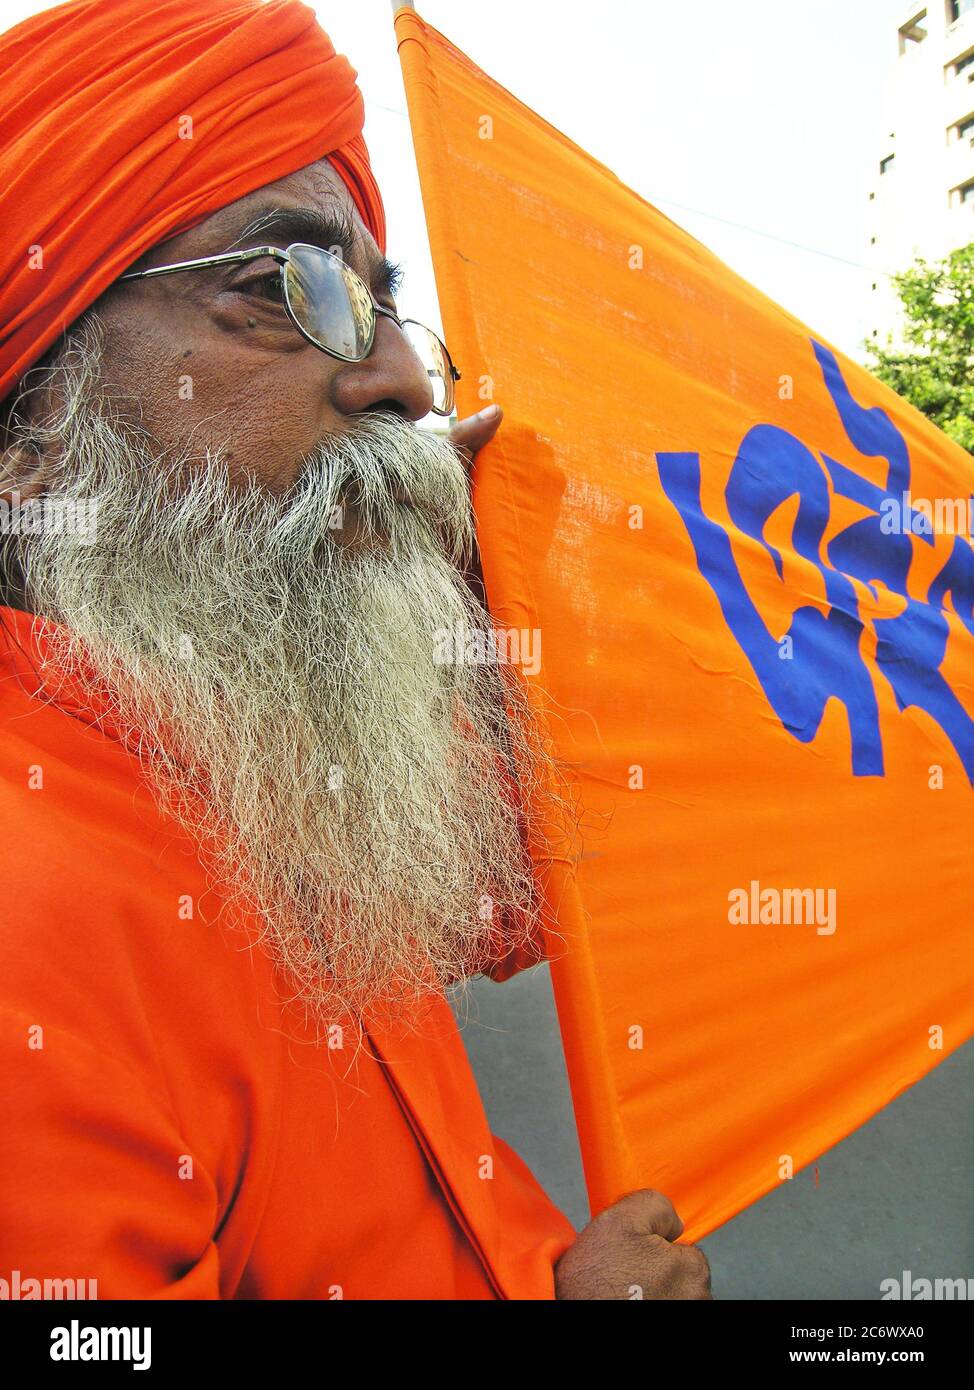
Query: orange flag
{"type": "Point", "coordinates": [750, 568]}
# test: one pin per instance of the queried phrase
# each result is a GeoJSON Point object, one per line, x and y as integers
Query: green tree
{"type": "Point", "coordinates": [934, 367]}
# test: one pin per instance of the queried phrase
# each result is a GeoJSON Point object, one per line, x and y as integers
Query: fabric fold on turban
{"type": "Point", "coordinates": [125, 123]}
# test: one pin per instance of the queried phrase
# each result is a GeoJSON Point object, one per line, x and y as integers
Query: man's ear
{"type": "Point", "coordinates": [21, 460]}
{"type": "Point", "coordinates": [22, 478]}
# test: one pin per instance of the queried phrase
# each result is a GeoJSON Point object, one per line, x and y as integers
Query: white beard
{"type": "Point", "coordinates": [353, 791]}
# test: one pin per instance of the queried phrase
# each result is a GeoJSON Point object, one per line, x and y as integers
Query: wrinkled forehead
{"type": "Point", "coordinates": [312, 205]}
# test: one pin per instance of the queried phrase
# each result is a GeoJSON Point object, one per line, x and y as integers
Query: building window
{"type": "Point", "coordinates": [966, 193]}
{"type": "Point", "coordinates": [913, 33]}
{"type": "Point", "coordinates": [884, 164]}
{"type": "Point", "coordinates": [965, 64]}
{"type": "Point", "coordinates": [965, 129]}
{"type": "Point", "coordinates": [955, 8]}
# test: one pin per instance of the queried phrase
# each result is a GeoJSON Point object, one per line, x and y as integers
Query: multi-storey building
{"type": "Point", "coordinates": [922, 186]}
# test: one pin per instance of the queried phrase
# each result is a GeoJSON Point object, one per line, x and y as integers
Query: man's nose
{"type": "Point", "coordinates": [392, 376]}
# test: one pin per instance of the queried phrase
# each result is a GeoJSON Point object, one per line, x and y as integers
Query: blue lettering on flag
{"type": "Point", "coordinates": [772, 466]}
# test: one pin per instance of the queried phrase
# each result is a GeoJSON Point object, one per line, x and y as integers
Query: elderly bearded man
{"type": "Point", "coordinates": [250, 824]}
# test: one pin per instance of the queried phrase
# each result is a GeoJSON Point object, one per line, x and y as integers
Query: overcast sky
{"type": "Point", "coordinates": [760, 113]}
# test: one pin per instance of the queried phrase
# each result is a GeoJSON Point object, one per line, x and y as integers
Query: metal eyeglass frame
{"type": "Point", "coordinates": [282, 258]}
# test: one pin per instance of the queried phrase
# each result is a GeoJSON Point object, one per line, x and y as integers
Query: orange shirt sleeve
{"type": "Point", "coordinates": [98, 1182]}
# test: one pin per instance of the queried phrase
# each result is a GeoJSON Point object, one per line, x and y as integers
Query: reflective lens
{"type": "Point", "coordinates": [436, 363]}
{"type": "Point", "coordinates": [329, 301]}
{"type": "Point", "coordinates": [333, 308]}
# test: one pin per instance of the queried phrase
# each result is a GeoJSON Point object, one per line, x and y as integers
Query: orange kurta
{"type": "Point", "coordinates": [169, 1128]}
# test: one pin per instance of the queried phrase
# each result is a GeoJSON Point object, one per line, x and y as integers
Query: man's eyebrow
{"type": "Point", "coordinates": [387, 278]}
{"type": "Point", "coordinates": [334, 231]}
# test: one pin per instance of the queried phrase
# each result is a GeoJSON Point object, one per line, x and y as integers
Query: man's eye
{"type": "Point", "coordinates": [264, 287]}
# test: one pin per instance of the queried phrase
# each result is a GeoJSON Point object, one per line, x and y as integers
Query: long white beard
{"type": "Point", "coordinates": [346, 791]}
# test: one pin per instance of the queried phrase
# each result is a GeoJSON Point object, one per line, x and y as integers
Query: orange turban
{"type": "Point", "coordinates": [98, 161]}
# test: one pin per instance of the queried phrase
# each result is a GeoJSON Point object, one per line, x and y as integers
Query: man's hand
{"type": "Point", "coordinates": [467, 436]}
{"type": "Point", "coordinates": [473, 433]}
{"type": "Point", "coordinates": [627, 1253]}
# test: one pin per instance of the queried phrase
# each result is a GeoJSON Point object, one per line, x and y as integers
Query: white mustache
{"type": "Point", "coordinates": [380, 465]}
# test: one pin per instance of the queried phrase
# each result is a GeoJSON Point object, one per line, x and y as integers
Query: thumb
{"type": "Point", "coordinates": [473, 433]}
{"type": "Point", "coordinates": [647, 1212]}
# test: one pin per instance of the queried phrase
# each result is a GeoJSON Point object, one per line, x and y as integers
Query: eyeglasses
{"type": "Point", "coordinates": [334, 309]}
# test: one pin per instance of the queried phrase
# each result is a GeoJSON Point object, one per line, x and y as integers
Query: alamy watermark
{"type": "Point", "coordinates": [77, 1343]}
{"type": "Point", "coordinates": [22, 1287]}
{"type": "Point", "coordinates": [771, 907]}
{"type": "Point", "coordinates": [920, 516]}
{"type": "Point", "coordinates": [505, 646]}
{"type": "Point", "coordinates": [34, 516]}
{"type": "Point", "coordinates": [916, 1290]}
